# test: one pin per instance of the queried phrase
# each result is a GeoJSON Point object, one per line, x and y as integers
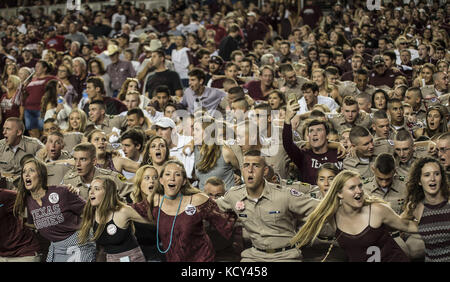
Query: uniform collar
{"type": "Point", "coordinates": [265, 194]}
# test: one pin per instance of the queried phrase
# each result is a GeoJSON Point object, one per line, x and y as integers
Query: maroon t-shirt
{"type": "Point", "coordinates": [254, 90]}
{"type": "Point", "coordinates": [35, 90]}
{"type": "Point", "coordinates": [56, 43]}
{"type": "Point", "coordinates": [307, 161]}
{"type": "Point", "coordinates": [388, 78]}
{"type": "Point", "coordinates": [15, 239]}
{"type": "Point", "coordinates": [59, 216]}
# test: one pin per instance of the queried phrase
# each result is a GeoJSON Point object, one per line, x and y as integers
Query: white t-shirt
{"type": "Point", "coordinates": [321, 100]}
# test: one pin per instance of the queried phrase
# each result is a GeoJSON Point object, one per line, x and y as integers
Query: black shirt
{"type": "Point", "coordinates": [169, 78]}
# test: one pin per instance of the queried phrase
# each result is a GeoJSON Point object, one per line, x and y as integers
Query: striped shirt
{"type": "Point", "coordinates": [434, 228]}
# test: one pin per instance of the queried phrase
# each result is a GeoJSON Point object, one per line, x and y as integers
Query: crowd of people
{"type": "Point", "coordinates": [222, 130]}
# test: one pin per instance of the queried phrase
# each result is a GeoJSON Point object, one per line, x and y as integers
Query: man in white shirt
{"type": "Point", "coordinates": [311, 97]}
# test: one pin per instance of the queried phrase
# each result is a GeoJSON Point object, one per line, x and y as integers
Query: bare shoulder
{"type": "Point", "coordinates": [418, 211]}
{"type": "Point", "coordinates": [381, 208]}
{"type": "Point", "coordinates": [199, 199]}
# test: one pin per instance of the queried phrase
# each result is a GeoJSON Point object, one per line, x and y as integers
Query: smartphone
{"type": "Point", "coordinates": [292, 96]}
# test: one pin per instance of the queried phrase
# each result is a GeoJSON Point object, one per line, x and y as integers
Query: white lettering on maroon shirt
{"type": "Point", "coordinates": [47, 216]}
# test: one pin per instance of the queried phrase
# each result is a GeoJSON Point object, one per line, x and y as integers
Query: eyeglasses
{"type": "Point", "coordinates": [403, 43]}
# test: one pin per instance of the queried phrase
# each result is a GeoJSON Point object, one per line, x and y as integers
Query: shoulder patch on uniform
{"type": "Point", "coordinates": [121, 177]}
{"type": "Point", "coordinates": [401, 178]}
{"type": "Point", "coordinates": [295, 193]}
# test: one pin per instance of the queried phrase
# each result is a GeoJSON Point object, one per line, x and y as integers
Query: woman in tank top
{"type": "Point", "coordinates": [212, 158]}
{"type": "Point", "coordinates": [361, 222]}
{"type": "Point", "coordinates": [111, 221]}
{"type": "Point", "coordinates": [428, 202]}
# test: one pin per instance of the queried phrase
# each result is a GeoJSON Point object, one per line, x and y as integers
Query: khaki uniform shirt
{"type": "Point", "coordinates": [274, 154]}
{"type": "Point", "coordinates": [403, 169]}
{"type": "Point", "coordinates": [271, 220]}
{"type": "Point", "coordinates": [71, 139]}
{"type": "Point", "coordinates": [10, 160]}
{"type": "Point", "coordinates": [340, 124]}
{"type": "Point", "coordinates": [109, 122]}
{"type": "Point", "coordinates": [350, 89]}
{"type": "Point", "coordinates": [297, 89]}
{"type": "Point", "coordinates": [312, 191]}
{"type": "Point", "coordinates": [362, 167]}
{"type": "Point", "coordinates": [56, 172]}
{"type": "Point", "coordinates": [74, 179]}
{"type": "Point", "coordinates": [383, 145]}
{"type": "Point", "coordinates": [395, 195]}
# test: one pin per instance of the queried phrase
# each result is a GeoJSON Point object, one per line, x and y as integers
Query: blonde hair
{"type": "Point", "coordinates": [186, 190]}
{"type": "Point", "coordinates": [83, 118]}
{"type": "Point", "coordinates": [136, 195]}
{"type": "Point", "coordinates": [326, 209]}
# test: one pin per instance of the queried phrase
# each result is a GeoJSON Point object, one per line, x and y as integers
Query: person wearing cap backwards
{"type": "Point", "coordinates": [118, 70]}
{"type": "Point", "coordinates": [54, 41]}
{"type": "Point", "coordinates": [380, 75]}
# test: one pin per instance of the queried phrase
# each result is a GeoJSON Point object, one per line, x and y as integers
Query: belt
{"type": "Point", "coordinates": [272, 251]}
{"type": "Point", "coordinates": [395, 234]}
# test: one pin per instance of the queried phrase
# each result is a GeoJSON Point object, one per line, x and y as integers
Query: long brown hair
{"type": "Point", "coordinates": [416, 194]}
{"type": "Point", "coordinates": [210, 152]}
{"type": "Point", "coordinates": [186, 189]}
{"type": "Point", "coordinates": [50, 96]}
{"type": "Point", "coordinates": [22, 192]}
{"type": "Point", "coordinates": [147, 159]}
{"type": "Point", "coordinates": [111, 203]}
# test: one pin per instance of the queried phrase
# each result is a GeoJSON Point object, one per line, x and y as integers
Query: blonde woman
{"type": "Point", "coordinates": [179, 211]}
{"type": "Point", "coordinates": [325, 89]}
{"type": "Point", "coordinates": [145, 181]}
{"type": "Point", "coordinates": [211, 158]}
{"type": "Point", "coordinates": [361, 222]}
{"type": "Point", "coordinates": [111, 222]}
{"type": "Point", "coordinates": [75, 129]}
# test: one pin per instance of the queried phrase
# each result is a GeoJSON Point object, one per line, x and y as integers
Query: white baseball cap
{"type": "Point", "coordinates": [164, 122]}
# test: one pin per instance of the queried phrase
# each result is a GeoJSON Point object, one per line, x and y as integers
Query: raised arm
{"type": "Point", "coordinates": [393, 220]}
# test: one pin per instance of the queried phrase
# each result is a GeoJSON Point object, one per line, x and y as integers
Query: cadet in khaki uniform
{"type": "Point", "coordinates": [350, 116]}
{"type": "Point", "coordinates": [53, 150]}
{"type": "Point", "coordinates": [85, 171]}
{"type": "Point", "coordinates": [406, 152]}
{"type": "Point", "coordinates": [267, 211]}
{"type": "Point", "coordinates": [71, 139]}
{"type": "Point", "coordinates": [291, 84]}
{"type": "Point", "coordinates": [98, 117]}
{"type": "Point", "coordinates": [13, 148]}
{"type": "Point", "coordinates": [364, 148]}
{"type": "Point", "coordinates": [390, 187]}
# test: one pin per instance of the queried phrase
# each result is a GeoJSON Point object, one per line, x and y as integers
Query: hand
{"type": "Point", "coordinates": [151, 110]}
{"type": "Point", "coordinates": [59, 108]}
{"type": "Point", "coordinates": [73, 190]}
{"type": "Point", "coordinates": [295, 121]}
{"type": "Point", "coordinates": [237, 179]}
{"type": "Point", "coordinates": [341, 151]}
{"type": "Point", "coordinates": [188, 149]}
{"type": "Point", "coordinates": [292, 108]}
{"type": "Point", "coordinates": [432, 147]}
